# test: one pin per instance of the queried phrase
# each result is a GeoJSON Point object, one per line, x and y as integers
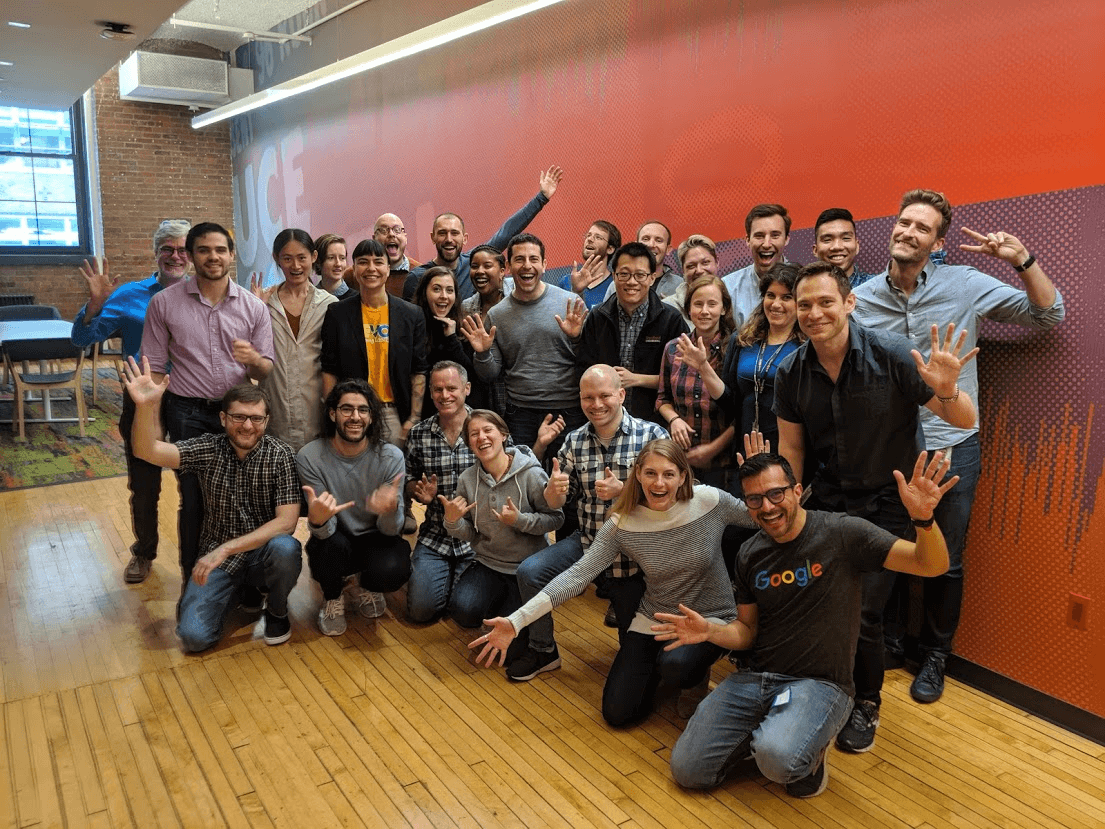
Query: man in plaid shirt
{"type": "Point", "coordinates": [589, 470]}
{"type": "Point", "coordinates": [437, 452]}
{"type": "Point", "coordinates": [251, 492]}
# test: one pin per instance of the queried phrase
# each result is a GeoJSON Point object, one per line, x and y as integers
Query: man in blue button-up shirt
{"type": "Point", "coordinates": [910, 296]}
{"type": "Point", "coordinates": [120, 310]}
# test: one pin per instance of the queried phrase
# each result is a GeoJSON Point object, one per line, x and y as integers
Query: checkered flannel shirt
{"type": "Point", "coordinates": [585, 459]}
{"type": "Point", "coordinates": [683, 387]}
{"type": "Point", "coordinates": [239, 495]}
{"type": "Point", "coordinates": [429, 453]}
{"type": "Point", "coordinates": [629, 330]}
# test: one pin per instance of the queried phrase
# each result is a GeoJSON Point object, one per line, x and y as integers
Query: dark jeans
{"type": "Point", "coordinates": [384, 561]}
{"type": "Point", "coordinates": [943, 595]}
{"type": "Point", "coordinates": [144, 482]}
{"type": "Point", "coordinates": [482, 593]}
{"type": "Point", "coordinates": [523, 424]}
{"type": "Point", "coordinates": [640, 665]}
{"type": "Point", "coordinates": [189, 417]}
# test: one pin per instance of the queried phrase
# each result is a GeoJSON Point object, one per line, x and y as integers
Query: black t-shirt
{"type": "Point", "coordinates": [807, 592]}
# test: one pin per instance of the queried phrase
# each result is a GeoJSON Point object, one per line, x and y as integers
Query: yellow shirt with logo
{"type": "Point", "coordinates": [375, 321]}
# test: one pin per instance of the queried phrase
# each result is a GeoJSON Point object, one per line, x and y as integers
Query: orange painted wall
{"type": "Point", "coordinates": [693, 110]}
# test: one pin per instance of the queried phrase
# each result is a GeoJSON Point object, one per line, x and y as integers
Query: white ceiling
{"type": "Point", "coordinates": [62, 54]}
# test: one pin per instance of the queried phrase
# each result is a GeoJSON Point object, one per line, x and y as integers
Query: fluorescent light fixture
{"type": "Point", "coordinates": [6, 63]}
{"type": "Point", "coordinates": [15, 24]}
{"type": "Point", "coordinates": [436, 34]}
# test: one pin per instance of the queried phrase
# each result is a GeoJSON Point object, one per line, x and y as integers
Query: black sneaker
{"type": "Point", "coordinates": [813, 783]}
{"type": "Point", "coordinates": [278, 629]}
{"type": "Point", "coordinates": [250, 599]}
{"type": "Point", "coordinates": [531, 663]}
{"type": "Point", "coordinates": [928, 685]}
{"type": "Point", "coordinates": [858, 734]}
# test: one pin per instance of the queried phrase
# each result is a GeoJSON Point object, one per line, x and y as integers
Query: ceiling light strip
{"type": "Point", "coordinates": [436, 34]}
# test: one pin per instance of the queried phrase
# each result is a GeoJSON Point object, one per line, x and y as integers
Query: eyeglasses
{"type": "Point", "coordinates": [168, 250]}
{"type": "Point", "coordinates": [349, 411]}
{"type": "Point", "coordinates": [256, 420]}
{"type": "Point", "coordinates": [174, 221]}
{"type": "Point", "coordinates": [385, 230]}
{"type": "Point", "coordinates": [775, 496]}
{"type": "Point", "coordinates": [636, 276]}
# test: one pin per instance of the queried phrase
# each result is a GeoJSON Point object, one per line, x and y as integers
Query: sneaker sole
{"type": "Point", "coordinates": [552, 666]}
{"type": "Point", "coordinates": [851, 750]}
{"type": "Point", "coordinates": [278, 640]}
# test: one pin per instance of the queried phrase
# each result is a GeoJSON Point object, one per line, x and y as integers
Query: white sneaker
{"type": "Point", "coordinates": [365, 602]}
{"type": "Point", "coordinates": [331, 617]}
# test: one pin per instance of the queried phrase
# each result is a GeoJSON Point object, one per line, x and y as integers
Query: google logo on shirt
{"type": "Point", "coordinates": [800, 576]}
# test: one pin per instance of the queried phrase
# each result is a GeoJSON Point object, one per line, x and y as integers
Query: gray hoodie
{"type": "Point", "coordinates": [497, 545]}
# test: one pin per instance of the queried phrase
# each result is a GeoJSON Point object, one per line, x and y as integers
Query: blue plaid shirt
{"type": "Point", "coordinates": [585, 459]}
{"type": "Point", "coordinates": [429, 453]}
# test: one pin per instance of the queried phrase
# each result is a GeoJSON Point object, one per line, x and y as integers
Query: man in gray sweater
{"type": "Point", "coordinates": [532, 345]}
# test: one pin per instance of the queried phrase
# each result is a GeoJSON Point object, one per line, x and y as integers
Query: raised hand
{"type": "Point", "coordinates": [683, 628]}
{"type": "Point", "coordinates": [574, 315]}
{"type": "Point", "coordinates": [101, 284]}
{"type": "Point", "coordinates": [556, 490]}
{"type": "Point", "coordinates": [923, 491]}
{"type": "Point", "coordinates": [263, 294]}
{"type": "Point", "coordinates": [999, 245]}
{"type": "Point", "coordinates": [942, 369]}
{"type": "Point", "coordinates": [508, 514]}
{"type": "Point", "coordinates": [322, 508]}
{"type": "Point", "coordinates": [754, 444]}
{"type": "Point", "coordinates": [494, 642]}
{"type": "Point", "coordinates": [425, 490]}
{"type": "Point", "coordinates": [455, 508]}
{"type": "Point", "coordinates": [549, 429]}
{"type": "Point", "coordinates": [471, 327]}
{"type": "Point", "coordinates": [608, 487]}
{"type": "Point", "coordinates": [385, 498]}
{"type": "Point", "coordinates": [693, 354]}
{"type": "Point", "coordinates": [140, 383]}
{"type": "Point", "coordinates": [549, 180]}
{"type": "Point", "coordinates": [583, 275]}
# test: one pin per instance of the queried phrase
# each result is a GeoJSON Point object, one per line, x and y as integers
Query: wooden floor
{"type": "Point", "coordinates": [106, 723]}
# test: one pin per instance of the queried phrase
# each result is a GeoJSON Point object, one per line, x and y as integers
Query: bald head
{"type": "Point", "coordinates": [601, 397]}
{"type": "Point", "coordinates": [601, 373]}
{"type": "Point", "coordinates": [390, 233]}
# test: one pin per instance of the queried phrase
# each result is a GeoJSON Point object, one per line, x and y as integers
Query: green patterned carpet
{"type": "Point", "coordinates": [55, 453]}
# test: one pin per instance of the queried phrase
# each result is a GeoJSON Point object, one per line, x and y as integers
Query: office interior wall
{"type": "Point", "coordinates": [691, 111]}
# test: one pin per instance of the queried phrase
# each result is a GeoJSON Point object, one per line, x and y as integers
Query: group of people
{"type": "Point", "coordinates": [583, 426]}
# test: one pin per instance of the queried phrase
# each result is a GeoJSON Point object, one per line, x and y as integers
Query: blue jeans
{"type": "Point", "coordinates": [189, 417]}
{"type": "Point", "coordinates": [784, 721]}
{"type": "Point", "coordinates": [640, 665]}
{"type": "Point", "coordinates": [433, 578]}
{"type": "Point", "coordinates": [272, 567]}
{"type": "Point", "coordinates": [482, 593]}
{"type": "Point", "coordinates": [535, 572]}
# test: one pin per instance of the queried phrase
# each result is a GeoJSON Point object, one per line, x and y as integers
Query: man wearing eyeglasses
{"type": "Point", "coordinates": [352, 480]}
{"type": "Point", "coordinates": [120, 309]}
{"type": "Point", "coordinates": [390, 233]}
{"type": "Point", "coordinates": [799, 583]}
{"type": "Point", "coordinates": [630, 329]}
{"type": "Point", "coordinates": [249, 484]}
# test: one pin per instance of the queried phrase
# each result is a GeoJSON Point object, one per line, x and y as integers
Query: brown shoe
{"type": "Point", "coordinates": [137, 569]}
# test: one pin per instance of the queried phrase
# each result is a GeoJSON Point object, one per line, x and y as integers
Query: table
{"type": "Point", "coordinates": [38, 330]}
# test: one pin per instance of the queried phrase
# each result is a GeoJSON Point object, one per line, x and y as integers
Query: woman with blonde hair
{"type": "Point", "coordinates": [672, 529]}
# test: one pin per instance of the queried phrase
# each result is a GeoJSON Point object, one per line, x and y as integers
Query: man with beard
{"type": "Point", "coordinates": [352, 480]}
{"type": "Point", "coordinates": [248, 480]}
{"type": "Point", "coordinates": [798, 585]}
{"type": "Point", "coordinates": [593, 279]}
{"type": "Point", "coordinates": [911, 295]}
{"type": "Point", "coordinates": [768, 230]}
{"type": "Point", "coordinates": [216, 335]}
{"type": "Point", "coordinates": [449, 238]}
{"type": "Point", "coordinates": [118, 308]}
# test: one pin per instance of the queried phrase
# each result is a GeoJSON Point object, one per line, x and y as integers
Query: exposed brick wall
{"type": "Point", "coordinates": [153, 166]}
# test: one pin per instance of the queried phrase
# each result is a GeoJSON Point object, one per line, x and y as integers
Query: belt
{"type": "Point", "coordinates": [201, 401]}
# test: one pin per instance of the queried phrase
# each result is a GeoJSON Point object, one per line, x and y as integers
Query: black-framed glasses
{"type": "Point", "coordinates": [398, 230]}
{"type": "Point", "coordinates": [256, 420]}
{"type": "Point", "coordinates": [775, 495]}
{"type": "Point", "coordinates": [637, 276]}
{"type": "Point", "coordinates": [169, 250]}
{"type": "Point", "coordinates": [348, 411]}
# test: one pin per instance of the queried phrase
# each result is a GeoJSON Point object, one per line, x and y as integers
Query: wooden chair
{"type": "Point", "coordinates": [37, 351]}
{"type": "Point", "coordinates": [110, 349]}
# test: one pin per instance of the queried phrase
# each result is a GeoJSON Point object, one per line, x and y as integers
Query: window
{"type": "Point", "coordinates": [43, 194]}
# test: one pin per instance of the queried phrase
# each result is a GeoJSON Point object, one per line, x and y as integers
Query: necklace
{"type": "Point", "coordinates": [758, 379]}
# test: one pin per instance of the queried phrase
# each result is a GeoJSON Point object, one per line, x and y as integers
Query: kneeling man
{"type": "Point", "coordinates": [352, 480]}
{"type": "Point", "coordinates": [251, 497]}
{"type": "Point", "coordinates": [798, 585]}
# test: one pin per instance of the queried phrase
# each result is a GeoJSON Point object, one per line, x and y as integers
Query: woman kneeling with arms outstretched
{"type": "Point", "coordinates": [673, 530]}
